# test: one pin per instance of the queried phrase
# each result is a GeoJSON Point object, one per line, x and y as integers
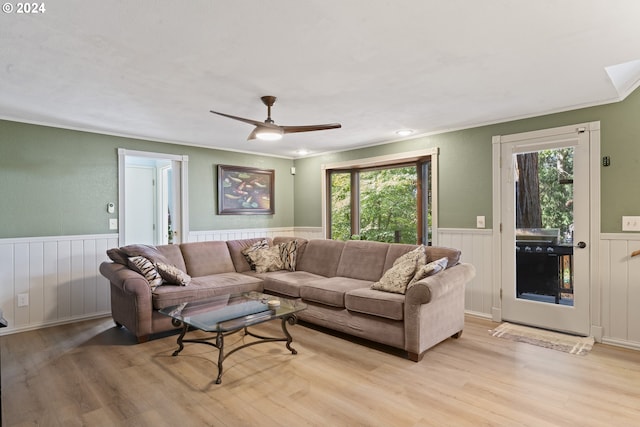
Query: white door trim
{"type": "Point", "coordinates": [594, 228]}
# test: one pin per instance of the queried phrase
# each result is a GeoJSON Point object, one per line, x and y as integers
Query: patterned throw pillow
{"type": "Point", "coordinates": [418, 255]}
{"type": "Point", "coordinates": [397, 277]}
{"type": "Point", "coordinates": [173, 275]}
{"type": "Point", "coordinates": [145, 267]}
{"type": "Point", "coordinates": [262, 244]}
{"type": "Point", "coordinates": [288, 253]}
{"type": "Point", "coordinates": [267, 259]}
{"type": "Point", "coordinates": [429, 270]}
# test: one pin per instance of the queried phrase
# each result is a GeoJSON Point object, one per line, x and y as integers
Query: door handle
{"type": "Point", "coordinates": [581, 245]}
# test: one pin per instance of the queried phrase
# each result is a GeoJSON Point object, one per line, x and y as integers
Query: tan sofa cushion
{"type": "Point", "coordinates": [331, 291]}
{"type": "Point", "coordinates": [204, 287]}
{"type": "Point", "coordinates": [206, 258]}
{"type": "Point", "coordinates": [362, 260]}
{"type": "Point", "coordinates": [395, 251]}
{"type": "Point", "coordinates": [321, 257]}
{"type": "Point", "coordinates": [287, 282]}
{"type": "Point", "coordinates": [173, 255]}
{"type": "Point", "coordinates": [376, 303]}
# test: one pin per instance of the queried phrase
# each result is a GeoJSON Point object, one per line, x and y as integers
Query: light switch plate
{"type": "Point", "coordinates": [631, 223]}
{"type": "Point", "coordinates": [480, 221]}
{"type": "Point", "coordinates": [113, 223]}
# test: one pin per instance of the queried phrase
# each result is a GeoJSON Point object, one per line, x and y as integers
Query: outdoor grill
{"type": "Point", "coordinates": [540, 263]}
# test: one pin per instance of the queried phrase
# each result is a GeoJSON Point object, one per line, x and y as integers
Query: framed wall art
{"type": "Point", "coordinates": [245, 191]}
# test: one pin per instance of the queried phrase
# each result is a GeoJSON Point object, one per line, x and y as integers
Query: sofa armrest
{"type": "Point", "coordinates": [131, 304]}
{"type": "Point", "coordinates": [434, 287]}
{"type": "Point", "coordinates": [434, 309]}
{"type": "Point", "coordinates": [125, 279]}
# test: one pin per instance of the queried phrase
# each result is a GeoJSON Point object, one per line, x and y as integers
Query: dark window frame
{"type": "Point", "coordinates": [424, 182]}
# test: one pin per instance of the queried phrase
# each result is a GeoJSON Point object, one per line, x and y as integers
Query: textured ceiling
{"type": "Point", "coordinates": [154, 69]}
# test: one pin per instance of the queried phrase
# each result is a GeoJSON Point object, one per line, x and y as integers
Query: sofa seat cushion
{"type": "Point", "coordinates": [331, 291]}
{"type": "Point", "coordinates": [204, 287]}
{"type": "Point", "coordinates": [375, 303]}
{"type": "Point", "coordinates": [287, 283]}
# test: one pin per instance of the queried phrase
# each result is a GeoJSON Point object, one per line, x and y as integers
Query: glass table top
{"type": "Point", "coordinates": [225, 313]}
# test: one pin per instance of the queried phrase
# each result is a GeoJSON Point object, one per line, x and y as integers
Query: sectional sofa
{"type": "Point", "coordinates": [350, 287]}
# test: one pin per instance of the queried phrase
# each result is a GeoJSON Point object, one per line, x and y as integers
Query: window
{"type": "Point", "coordinates": [385, 201]}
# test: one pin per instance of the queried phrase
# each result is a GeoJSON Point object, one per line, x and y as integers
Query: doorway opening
{"type": "Point", "coordinates": [152, 198]}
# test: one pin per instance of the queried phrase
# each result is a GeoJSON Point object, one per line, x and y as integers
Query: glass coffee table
{"type": "Point", "coordinates": [224, 315]}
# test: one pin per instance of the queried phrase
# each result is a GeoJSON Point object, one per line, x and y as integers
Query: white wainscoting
{"type": "Point", "coordinates": [476, 248]}
{"type": "Point", "coordinates": [61, 278]}
{"type": "Point", "coordinates": [620, 289]}
{"type": "Point", "coordinates": [301, 232]}
{"type": "Point", "coordinates": [59, 275]}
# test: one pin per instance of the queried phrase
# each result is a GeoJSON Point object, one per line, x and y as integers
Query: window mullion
{"type": "Point", "coordinates": [355, 202]}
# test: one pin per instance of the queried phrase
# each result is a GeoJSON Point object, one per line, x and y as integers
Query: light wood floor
{"type": "Point", "coordinates": [92, 374]}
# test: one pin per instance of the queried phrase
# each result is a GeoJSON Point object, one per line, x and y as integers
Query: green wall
{"type": "Point", "coordinates": [465, 188]}
{"type": "Point", "coordinates": [58, 182]}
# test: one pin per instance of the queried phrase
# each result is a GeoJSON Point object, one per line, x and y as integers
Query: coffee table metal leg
{"type": "Point", "coordinates": [185, 327]}
{"type": "Point", "coordinates": [220, 345]}
{"type": "Point", "coordinates": [292, 321]}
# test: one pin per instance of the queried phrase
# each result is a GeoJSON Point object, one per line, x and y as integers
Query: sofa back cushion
{"type": "Point", "coordinates": [436, 252]}
{"type": "Point", "coordinates": [363, 260]}
{"type": "Point", "coordinates": [395, 251]}
{"type": "Point", "coordinates": [321, 257]}
{"type": "Point", "coordinates": [173, 255]}
{"type": "Point", "coordinates": [205, 258]}
{"type": "Point", "coordinates": [235, 250]}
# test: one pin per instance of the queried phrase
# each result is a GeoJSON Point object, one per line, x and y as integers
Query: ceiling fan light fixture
{"type": "Point", "coordinates": [269, 134]}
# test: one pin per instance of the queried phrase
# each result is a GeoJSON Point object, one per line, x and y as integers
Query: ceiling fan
{"type": "Point", "coordinates": [268, 130]}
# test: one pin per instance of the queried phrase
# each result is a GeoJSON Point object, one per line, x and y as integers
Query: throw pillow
{"type": "Point", "coordinates": [397, 277]}
{"type": "Point", "coordinates": [267, 259]}
{"type": "Point", "coordinates": [262, 244]}
{"type": "Point", "coordinates": [429, 270]}
{"type": "Point", "coordinates": [173, 275]}
{"type": "Point", "coordinates": [288, 254]}
{"type": "Point", "coordinates": [418, 255]}
{"type": "Point", "coordinates": [145, 267]}
{"type": "Point", "coordinates": [149, 252]}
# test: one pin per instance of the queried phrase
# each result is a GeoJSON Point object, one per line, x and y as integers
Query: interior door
{"type": "Point", "coordinates": [545, 213]}
{"type": "Point", "coordinates": [140, 205]}
{"type": "Point", "coordinates": [153, 197]}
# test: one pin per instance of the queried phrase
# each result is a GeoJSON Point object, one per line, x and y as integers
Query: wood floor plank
{"type": "Point", "coordinates": [93, 374]}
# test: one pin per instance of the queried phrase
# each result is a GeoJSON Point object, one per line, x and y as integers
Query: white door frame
{"type": "Point", "coordinates": [182, 205]}
{"type": "Point", "coordinates": [594, 228]}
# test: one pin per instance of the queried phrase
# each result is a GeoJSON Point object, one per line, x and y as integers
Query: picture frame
{"type": "Point", "coordinates": [245, 190]}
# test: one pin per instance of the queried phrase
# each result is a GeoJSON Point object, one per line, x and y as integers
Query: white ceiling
{"type": "Point", "coordinates": [153, 69]}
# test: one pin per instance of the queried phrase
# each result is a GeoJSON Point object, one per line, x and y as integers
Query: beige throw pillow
{"type": "Point", "coordinates": [267, 259]}
{"type": "Point", "coordinates": [173, 275]}
{"type": "Point", "coordinates": [397, 277]}
{"type": "Point", "coordinates": [262, 244]}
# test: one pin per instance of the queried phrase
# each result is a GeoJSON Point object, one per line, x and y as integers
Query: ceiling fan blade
{"type": "Point", "coordinates": [242, 119]}
{"type": "Point", "coordinates": [310, 128]}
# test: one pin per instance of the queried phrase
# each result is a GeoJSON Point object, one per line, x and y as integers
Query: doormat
{"type": "Point", "coordinates": [543, 338]}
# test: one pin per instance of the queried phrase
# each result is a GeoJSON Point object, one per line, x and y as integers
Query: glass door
{"type": "Point", "coordinates": [545, 212]}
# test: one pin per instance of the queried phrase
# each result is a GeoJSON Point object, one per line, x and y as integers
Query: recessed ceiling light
{"type": "Point", "coordinates": [302, 152]}
{"type": "Point", "coordinates": [404, 132]}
